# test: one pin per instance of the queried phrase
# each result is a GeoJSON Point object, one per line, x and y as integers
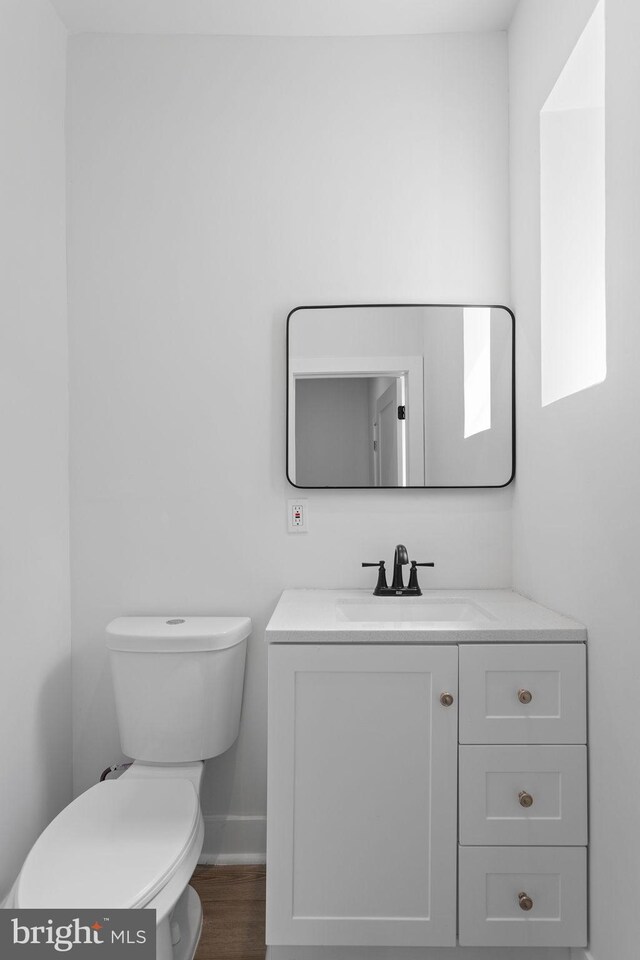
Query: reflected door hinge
{"type": "Point", "coordinates": [402, 413]}
{"type": "Point", "coordinates": [375, 444]}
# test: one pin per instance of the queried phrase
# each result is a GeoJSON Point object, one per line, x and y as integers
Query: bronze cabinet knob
{"type": "Point", "coordinates": [446, 699]}
{"type": "Point", "coordinates": [526, 800]}
{"type": "Point", "coordinates": [526, 903]}
{"type": "Point", "coordinates": [524, 696]}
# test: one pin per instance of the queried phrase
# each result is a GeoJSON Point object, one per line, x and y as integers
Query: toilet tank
{"type": "Point", "coordinates": [178, 684]}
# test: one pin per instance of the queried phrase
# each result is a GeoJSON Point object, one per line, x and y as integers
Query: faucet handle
{"type": "Point", "coordinates": [382, 577]}
{"type": "Point", "coordinates": [413, 576]}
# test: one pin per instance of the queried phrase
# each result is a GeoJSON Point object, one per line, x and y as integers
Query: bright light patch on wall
{"type": "Point", "coordinates": [477, 369]}
{"type": "Point", "coordinates": [572, 205]}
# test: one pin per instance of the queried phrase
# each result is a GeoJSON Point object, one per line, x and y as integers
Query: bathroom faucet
{"type": "Point", "coordinates": [397, 588]}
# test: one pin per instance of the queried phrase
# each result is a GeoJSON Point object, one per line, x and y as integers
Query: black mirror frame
{"type": "Point", "coordinates": [343, 306]}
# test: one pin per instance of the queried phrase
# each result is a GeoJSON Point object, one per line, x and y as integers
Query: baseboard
{"type": "Point", "coordinates": [234, 839]}
{"type": "Point", "coordinates": [229, 859]}
{"type": "Point", "coordinates": [419, 953]}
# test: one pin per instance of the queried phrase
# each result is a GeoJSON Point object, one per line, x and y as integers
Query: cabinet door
{"type": "Point", "coordinates": [361, 838]}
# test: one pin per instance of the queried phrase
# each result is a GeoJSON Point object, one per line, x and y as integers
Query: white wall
{"type": "Point", "coordinates": [35, 693]}
{"type": "Point", "coordinates": [215, 183]}
{"type": "Point", "coordinates": [576, 507]}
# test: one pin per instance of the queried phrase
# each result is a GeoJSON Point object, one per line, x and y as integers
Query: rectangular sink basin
{"type": "Point", "coordinates": [418, 610]}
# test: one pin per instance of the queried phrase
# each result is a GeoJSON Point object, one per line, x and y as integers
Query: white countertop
{"type": "Point", "coordinates": [316, 616]}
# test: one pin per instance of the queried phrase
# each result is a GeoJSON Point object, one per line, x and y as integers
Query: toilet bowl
{"type": "Point", "coordinates": [135, 841]}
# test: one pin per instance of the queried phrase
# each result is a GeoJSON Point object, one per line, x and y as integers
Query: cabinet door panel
{"type": "Point", "coordinates": [523, 693]}
{"type": "Point", "coordinates": [362, 795]}
{"type": "Point", "coordinates": [525, 794]}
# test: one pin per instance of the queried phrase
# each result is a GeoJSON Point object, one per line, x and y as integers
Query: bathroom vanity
{"type": "Point", "coordinates": [427, 773]}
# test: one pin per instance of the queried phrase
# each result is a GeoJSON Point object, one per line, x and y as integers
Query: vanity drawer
{"type": "Point", "coordinates": [523, 896]}
{"type": "Point", "coordinates": [523, 693]}
{"type": "Point", "coordinates": [523, 795]}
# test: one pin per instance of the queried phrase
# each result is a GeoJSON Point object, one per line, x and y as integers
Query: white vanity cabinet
{"type": "Point", "coordinates": [362, 795]}
{"type": "Point", "coordinates": [429, 790]}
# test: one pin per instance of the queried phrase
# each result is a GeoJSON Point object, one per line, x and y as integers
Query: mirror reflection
{"type": "Point", "coordinates": [400, 396]}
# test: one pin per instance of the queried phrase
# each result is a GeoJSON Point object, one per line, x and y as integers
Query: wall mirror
{"type": "Point", "coordinates": [400, 395]}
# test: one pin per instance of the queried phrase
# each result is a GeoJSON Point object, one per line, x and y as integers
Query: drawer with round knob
{"type": "Point", "coordinates": [525, 794]}
{"type": "Point", "coordinates": [522, 896]}
{"type": "Point", "coordinates": [523, 693]}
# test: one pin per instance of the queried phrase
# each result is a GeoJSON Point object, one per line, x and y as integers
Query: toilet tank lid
{"type": "Point", "coordinates": [176, 634]}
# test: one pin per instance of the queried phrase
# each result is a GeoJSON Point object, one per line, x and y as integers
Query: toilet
{"type": "Point", "coordinates": [135, 841]}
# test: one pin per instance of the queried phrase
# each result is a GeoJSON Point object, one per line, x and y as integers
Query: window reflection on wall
{"type": "Point", "coordinates": [572, 204]}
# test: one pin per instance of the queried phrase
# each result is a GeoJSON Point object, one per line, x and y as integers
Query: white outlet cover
{"type": "Point", "coordinates": [301, 525]}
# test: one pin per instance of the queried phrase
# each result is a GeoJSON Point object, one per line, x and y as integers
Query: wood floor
{"type": "Point", "coordinates": [233, 906]}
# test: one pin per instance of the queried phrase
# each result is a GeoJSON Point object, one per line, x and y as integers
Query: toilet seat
{"type": "Point", "coordinates": [117, 845]}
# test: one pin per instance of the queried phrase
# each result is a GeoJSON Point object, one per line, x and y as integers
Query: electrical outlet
{"type": "Point", "coordinates": [298, 516]}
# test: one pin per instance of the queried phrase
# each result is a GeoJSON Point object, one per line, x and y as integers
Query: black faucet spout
{"type": "Point", "coordinates": [400, 559]}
